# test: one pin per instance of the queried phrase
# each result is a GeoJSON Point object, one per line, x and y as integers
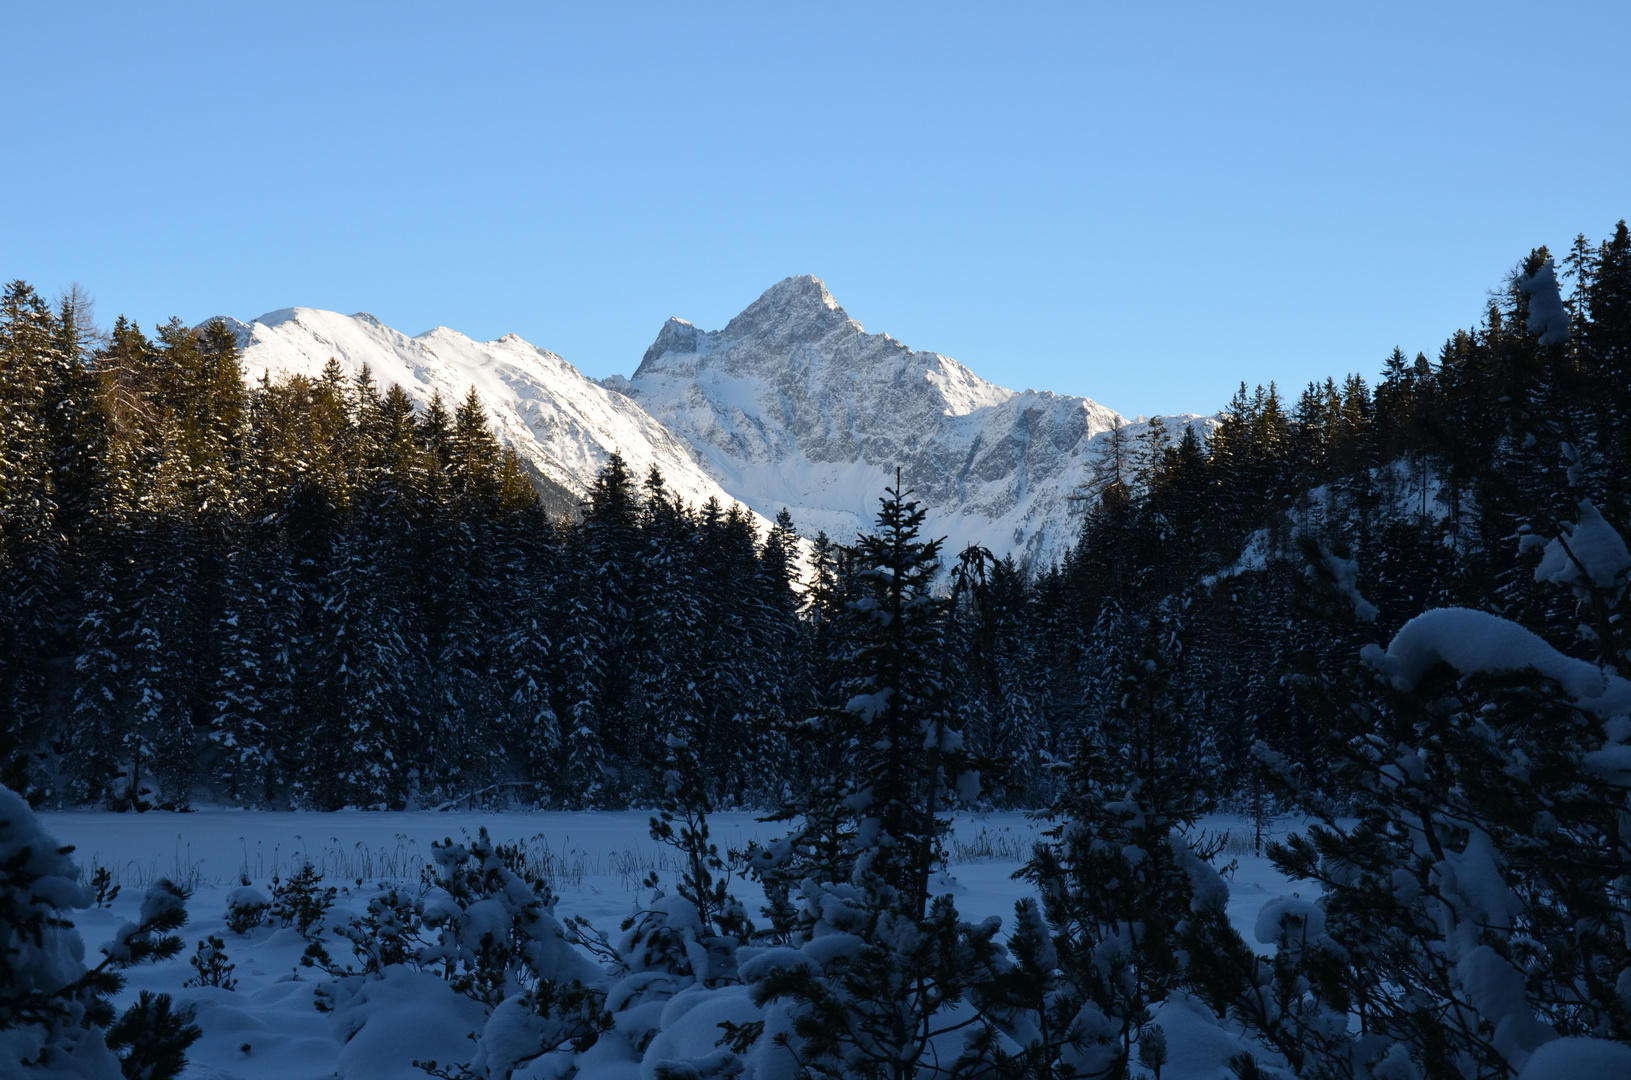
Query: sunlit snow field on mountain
{"type": "Point", "coordinates": [268, 1025]}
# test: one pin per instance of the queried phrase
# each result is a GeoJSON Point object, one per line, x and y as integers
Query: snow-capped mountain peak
{"type": "Point", "coordinates": [794, 404]}
{"type": "Point", "coordinates": [676, 336]}
{"type": "Point", "coordinates": [795, 310]}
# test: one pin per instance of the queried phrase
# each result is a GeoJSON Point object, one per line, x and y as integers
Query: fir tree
{"type": "Point", "coordinates": [31, 553]}
{"type": "Point", "coordinates": [1121, 881]}
{"type": "Point", "coordinates": [889, 1007]}
{"type": "Point", "coordinates": [596, 636]}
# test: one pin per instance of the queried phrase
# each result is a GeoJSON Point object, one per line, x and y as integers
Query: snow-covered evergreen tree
{"type": "Point", "coordinates": [1124, 882]}
{"type": "Point", "coordinates": [365, 711]}
{"type": "Point", "coordinates": [897, 995]}
{"type": "Point", "coordinates": [1473, 911]}
{"type": "Point", "coordinates": [31, 553]}
{"type": "Point", "coordinates": [56, 1014]}
{"type": "Point", "coordinates": [596, 638]}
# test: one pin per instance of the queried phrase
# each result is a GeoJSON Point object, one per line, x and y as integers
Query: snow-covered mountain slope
{"type": "Point", "coordinates": [563, 424]}
{"type": "Point", "coordinates": [794, 404]}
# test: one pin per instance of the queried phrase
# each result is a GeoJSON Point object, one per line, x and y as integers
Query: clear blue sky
{"type": "Point", "coordinates": [1143, 204]}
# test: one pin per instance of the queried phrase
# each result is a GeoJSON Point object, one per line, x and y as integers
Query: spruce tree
{"type": "Point", "coordinates": [597, 633]}
{"type": "Point", "coordinates": [1121, 879]}
{"type": "Point", "coordinates": [31, 552]}
{"type": "Point", "coordinates": [895, 1004]}
{"type": "Point", "coordinates": [673, 643]}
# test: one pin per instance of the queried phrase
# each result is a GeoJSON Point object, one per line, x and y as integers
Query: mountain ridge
{"type": "Point", "coordinates": [793, 403]}
{"type": "Point", "coordinates": [563, 424]}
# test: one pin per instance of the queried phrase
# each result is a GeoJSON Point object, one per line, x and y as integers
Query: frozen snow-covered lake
{"type": "Point", "coordinates": [596, 861]}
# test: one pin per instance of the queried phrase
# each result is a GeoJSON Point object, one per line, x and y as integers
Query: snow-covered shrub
{"type": "Point", "coordinates": [151, 936]}
{"type": "Point", "coordinates": [301, 902]}
{"type": "Point", "coordinates": [212, 965]}
{"type": "Point", "coordinates": [247, 908]}
{"type": "Point", "coordinates": [389, 932]}
{"type": "Point", "coordinates": [151, 1037]}
{"type": "Point", "coordinates": [55, 1014]}
{"type": "Point", "coordinates": [878, 990]}
{"type": "Point", "coordinates": [1130, 902]}
{"type": "Point", "coordinates": [1487, 869]}
{"type": "Point", "coordinates": [1474, 904]}
{"type": "Point", "coordinates": [495, 931]}
{"type": "Point", "coordinates": [666, 947]}
{"type": "Point", "coordinates": [485, 933]}
{"type": "Point", "coordinates": [549, 1016]}
{"type": "Point", "coordinates": [50, 1006]}
{"type": "Point", "coordinates": [687, 937]}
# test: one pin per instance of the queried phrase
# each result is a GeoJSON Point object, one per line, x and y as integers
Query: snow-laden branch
{"type": "Point", "coordinates": [1478, 643]}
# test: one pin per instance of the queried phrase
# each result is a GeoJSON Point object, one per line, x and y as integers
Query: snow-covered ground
{"type": "Point", "coordinates": [268, 1025]}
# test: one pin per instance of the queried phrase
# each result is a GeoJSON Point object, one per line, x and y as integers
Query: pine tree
{"type": "Point", "coordinates": [95, 737]}
{"type": "Point", "coordinates": [525, 653]}
{"type": "Point", "coordinates": [673, 646]}
{"type": "Point", "coordinates": [748, 613]}
{"type": "Point", "coordinates": [59, 1013]}
{"type": "Point", "coordinates": [366, 717]}
{"type": "Point", "coordinates": [238, 726]}
{"type": "Point", "coordinates": [775, 632]}
{"type": "Point", "coordinates": [31, 553]}
{"type": "Point", "coordinates": [1606, 333]}
{"type": "Point", "coordinates": [474, 453]}
{"type": "Point", "coordinates": [1113, 473]}
{"type": "Point", "coordinates": [597, 633]}
{"type": "Point", "coordinates": [886, 1008]}
{"type": "Point", "coordinates": [1004, 677]}
{"type": "Point", "coordinates": [1120, 881]}
{"type": "Point", "coordinates": [160, 635]}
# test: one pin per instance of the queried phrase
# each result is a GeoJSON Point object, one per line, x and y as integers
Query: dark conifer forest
{"type": "Point", "coordinates": [313, 594]}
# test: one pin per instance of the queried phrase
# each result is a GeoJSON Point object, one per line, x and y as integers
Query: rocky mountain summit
{"type": "Point", "coordinates": [794, 404]}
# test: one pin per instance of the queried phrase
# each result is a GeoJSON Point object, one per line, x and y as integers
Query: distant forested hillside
{"type": "Point", "coordinates": [1416, 493]}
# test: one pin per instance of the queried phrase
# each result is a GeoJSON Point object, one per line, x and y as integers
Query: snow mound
{"type": "Point", "coordinates": [1579, 1059]}
{"type": "Point", "coordinates": [1291, 915]}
